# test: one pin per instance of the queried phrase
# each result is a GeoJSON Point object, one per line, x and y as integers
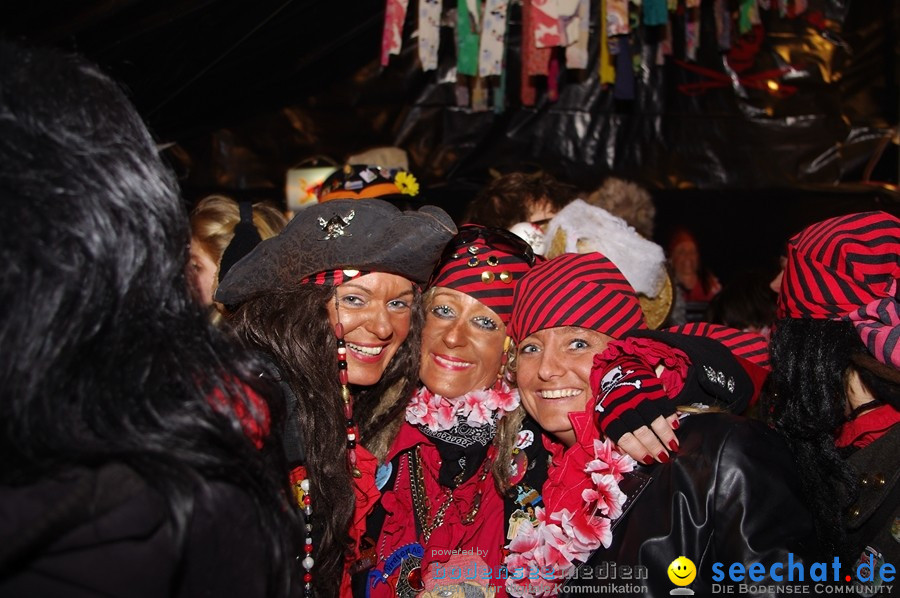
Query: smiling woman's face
{"type": "Point", "coordinates": [553, 373]}
{"type": "Point", "coordinates": [375, 311]}
{"type": "Point", "coordinates": [462, 344]}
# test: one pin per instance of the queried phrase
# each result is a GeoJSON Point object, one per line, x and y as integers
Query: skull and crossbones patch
{"type": "Point", "coordinates": [334, 226]}
{"type": "Point", "coordinates": [612, 380]}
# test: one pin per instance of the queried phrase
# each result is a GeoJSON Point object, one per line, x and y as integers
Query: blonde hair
{"type": "Point", "coordinates": [213, 221]}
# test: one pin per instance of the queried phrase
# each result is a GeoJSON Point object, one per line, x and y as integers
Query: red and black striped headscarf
{"type": "Point", "coordinates": [846, 268]}
{"type": "Point", "coordinates": [584, 290]}
{"type": "Point", "coordinates": [750, 346]}
{"type": "Point", "coordinates": [485, 263]}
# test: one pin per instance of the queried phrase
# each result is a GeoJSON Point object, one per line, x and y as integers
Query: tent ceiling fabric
{"type": "Point", "coordinates": [195, 65]}
{"type": "Point", "coordinates": [247, 89]}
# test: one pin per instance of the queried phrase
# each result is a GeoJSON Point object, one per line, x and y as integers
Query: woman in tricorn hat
{"type": "Point", "coordinates": [333, 303]}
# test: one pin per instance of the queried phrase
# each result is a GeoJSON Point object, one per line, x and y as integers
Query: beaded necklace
{"type": "Point", "coordinates": [301, 484]}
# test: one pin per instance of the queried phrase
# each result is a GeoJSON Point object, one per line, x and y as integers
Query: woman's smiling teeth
{"type": "Point", "coordinates": [373, 351]}
{"type": "Point", "coordinates": [563, 393]}
{"type": "Point", "coordinates": [451, 362]}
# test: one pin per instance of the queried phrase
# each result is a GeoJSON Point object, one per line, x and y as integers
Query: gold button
{"type": "Point", "coordinates": [473, 261]}
{"type": "Point", "coordinates": [492, 260]}
{"type": "Point", "coordinates": [880, 479]}
{"type": "Point", "coordinates": [864, 480]}
{"type": "Point", "coordinates": [854, 513]}
{"type": "Point", "coordinates": [487, 277]}
{"type": "Point", "coordinates": [506, 277]}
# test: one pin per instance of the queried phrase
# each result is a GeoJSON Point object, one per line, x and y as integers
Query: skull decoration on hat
{"type": "Point", "coordinates": [370, 236]}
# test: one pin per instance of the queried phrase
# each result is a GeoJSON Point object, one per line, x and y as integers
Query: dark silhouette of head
{"type": "Point", "coordinates": [106, 357]}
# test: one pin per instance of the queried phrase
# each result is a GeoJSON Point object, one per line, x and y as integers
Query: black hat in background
{"type": "Point", "coordinates": [245, 238]}
{"type": "Point", "coordinates": [365, 181]}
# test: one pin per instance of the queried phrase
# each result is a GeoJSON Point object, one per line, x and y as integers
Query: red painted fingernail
{"type": "Point", "coordinates": [648, 460]}
{"type": "Point", "coordinates": [673, 444]}
{"type": "Point", "coordinates": [663, 457]}
{"type": "Point", "coordinates": [675, 424]}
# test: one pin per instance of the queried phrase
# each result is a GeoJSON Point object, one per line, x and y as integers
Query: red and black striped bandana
{"type": "Point", "coordinates": [333, 277]}
{"type": "Point", "coordinates": [485, 263]}
{"type": "Point", "coordinates": [750, 346]}
{"type": "Point", "coordinates": [846, 268]}
{"type": "Point", "coordinates": [584, 290]}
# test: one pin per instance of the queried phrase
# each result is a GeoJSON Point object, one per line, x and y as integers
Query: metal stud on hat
{"type": "Point", "coordinates": [484, 263]}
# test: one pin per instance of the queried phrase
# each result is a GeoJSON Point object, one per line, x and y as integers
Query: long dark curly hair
{"type": "Point", "coordinates": [293, 329]}
{"type": "Point", "coordinates": [805, 400]}
{"type": "Point", "coordinates": [106, 359]}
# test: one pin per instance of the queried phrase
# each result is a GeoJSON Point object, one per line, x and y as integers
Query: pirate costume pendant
{"type": "Point", "coordinates": [408, 559]}
{"type": "Point", "coordinates": [409, 584]}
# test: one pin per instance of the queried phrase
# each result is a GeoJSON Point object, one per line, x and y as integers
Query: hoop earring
{"type": "Point", "coordinates": [506, 363]}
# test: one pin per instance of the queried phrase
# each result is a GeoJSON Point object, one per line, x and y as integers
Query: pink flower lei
{"type": "Point", "coordinates": [439, 413]}
{"type": "Point", "coordinates": [541, 556]}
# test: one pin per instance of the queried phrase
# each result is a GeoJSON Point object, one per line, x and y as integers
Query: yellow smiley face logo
{"type": "Point", "coordinates": [682, 571]}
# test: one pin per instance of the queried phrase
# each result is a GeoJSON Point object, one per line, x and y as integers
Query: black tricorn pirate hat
{"type": "Point", "coordinates": [369, 235]}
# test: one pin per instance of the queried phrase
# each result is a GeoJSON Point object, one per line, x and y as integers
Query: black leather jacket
{"type": "Point", "coordinates": [872, 521]}
{"type": "Point", "coordinates": [730, 495]}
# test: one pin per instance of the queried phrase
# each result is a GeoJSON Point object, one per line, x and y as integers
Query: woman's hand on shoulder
{"type": "Point", "coordinates": [655, 442]}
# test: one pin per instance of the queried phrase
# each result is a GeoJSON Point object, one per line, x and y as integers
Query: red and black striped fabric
{"type": "Point", "coordinates": [751, 346]}
{"type": "Point", "coordinates": [484, 265]}
{"type": "Point", "coordinates": [332, 277]}
{"type": "Point", "coordinates": [584, 290]}
{"type": "Point", "coordinates": [846, 268]}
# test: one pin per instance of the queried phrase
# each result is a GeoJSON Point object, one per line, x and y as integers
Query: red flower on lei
{"type": "Point", "coordinates": [583, 498]}
{"type": "Point", "coordinates": [439, 413]}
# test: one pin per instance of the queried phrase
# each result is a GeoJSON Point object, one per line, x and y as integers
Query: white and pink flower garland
{"type": "Point", "coordinates": [439, 413]}
{"type": "Point", "coordinates": [542, 556]}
